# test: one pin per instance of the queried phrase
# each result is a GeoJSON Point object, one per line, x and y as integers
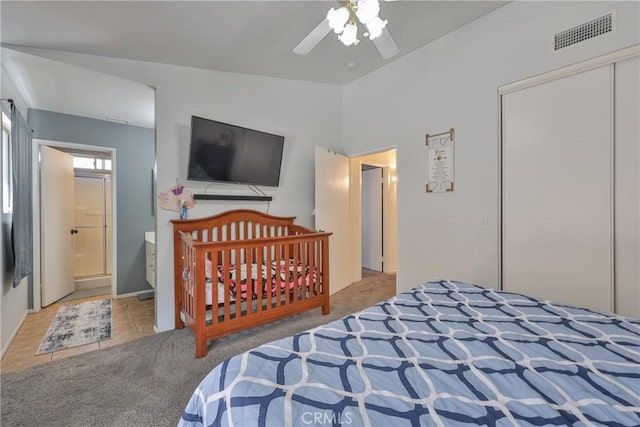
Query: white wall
{"type": "Point", "coordinates": [453, 82]}
{"type": "Point", "coordinates": [307, 114]}
{"type": "Point", "coordinates": [13, 301]}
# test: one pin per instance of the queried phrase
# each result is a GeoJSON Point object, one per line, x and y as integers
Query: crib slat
{"type": "Point", "coordinates": [306, 292]}
{"type": "Point", "coordinates": [249, 282]}
{"type": "Point", "coordinates": [279, 260]}
{"type": "Point", "coordinates": [263, 278]}
{"type": "Point", "coordinates": [227, 286]}
{"type": "Point", "coordinates": [295, 289]}
{"type": "Point", "coordinates": [213, 255]}
{"type": "Point", "coordinates": [238, 269]}
{"type": "Point", "coordinates": [313, 281]}
{"type": "Point", "coordinates": [285, 266]}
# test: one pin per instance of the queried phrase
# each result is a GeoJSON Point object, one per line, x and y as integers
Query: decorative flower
{"type": "Point", "coordinates": [175, 198]}
{"type": "Point", "coordinates": [177, 190]}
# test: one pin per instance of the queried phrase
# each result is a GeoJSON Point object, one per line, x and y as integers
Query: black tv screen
{"type": "Point", "coordinates": [227, 153]}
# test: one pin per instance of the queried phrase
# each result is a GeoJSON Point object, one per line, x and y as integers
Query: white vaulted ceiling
{"type": "Point", "coordinates": [249, 37]}
{"type": "Point", "coordinates": [56, 86]}
{"type": "Point", "coordinates": [252, 37]}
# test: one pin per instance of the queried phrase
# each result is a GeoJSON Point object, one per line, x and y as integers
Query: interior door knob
{"type": "Point", "coordinates": [74, 231]}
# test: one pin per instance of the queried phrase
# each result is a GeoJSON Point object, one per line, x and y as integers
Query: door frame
{"type": "Point", "coordinates": [390, 172]}
{"type": "Point", "coordinates": [37, 143]}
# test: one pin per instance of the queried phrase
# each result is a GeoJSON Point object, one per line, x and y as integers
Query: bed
{"type": "Point", "coordinates": [445, 353]}
{"type": "Point", "coordinates": [244, 268]}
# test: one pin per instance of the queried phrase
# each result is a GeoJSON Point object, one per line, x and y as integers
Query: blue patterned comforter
{"type": "Point", "coordinates": [445, 353]}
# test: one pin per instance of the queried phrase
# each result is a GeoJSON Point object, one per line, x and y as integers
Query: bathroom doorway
{"type": "Point", "coordinates": [93, 222]}
{"type": "Point", "coordinates": [74, 231]}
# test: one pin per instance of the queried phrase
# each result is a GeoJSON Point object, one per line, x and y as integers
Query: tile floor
{"type": "Point", "coordinates": [131, 319]}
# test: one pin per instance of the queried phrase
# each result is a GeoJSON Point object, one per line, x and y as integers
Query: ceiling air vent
{"type": "Point", "coordinates": [594, 28]}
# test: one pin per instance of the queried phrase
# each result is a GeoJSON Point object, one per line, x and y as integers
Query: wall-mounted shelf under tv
{"type": "Point", "coordinates": [231, 197]}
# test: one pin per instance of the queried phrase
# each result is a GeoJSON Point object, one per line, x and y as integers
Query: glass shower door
{"type": "Point", "coordinates": [91, 225]}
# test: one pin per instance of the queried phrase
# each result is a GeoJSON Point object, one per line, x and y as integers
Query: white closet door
{"type": "Point", "coordinates": [557, 190]}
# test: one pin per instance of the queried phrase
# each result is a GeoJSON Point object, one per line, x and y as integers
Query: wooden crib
{"type": "Point", "coordinates": [244, 268]}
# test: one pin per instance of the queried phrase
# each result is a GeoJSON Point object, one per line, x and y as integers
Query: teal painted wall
{"type": "Point", "coordinates": [135, 157]}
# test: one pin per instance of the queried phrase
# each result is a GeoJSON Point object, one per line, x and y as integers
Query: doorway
{"type": "Point", "coordinates": [372, 218]}
{"type": "Point", "coordinates": [92, 222]}
{"type": "Point", "coordinates": [86, 245]}
{"type": "Point", "coordinates": [338, 190]}
{"type": "Point", "coordinates": [373, 202]}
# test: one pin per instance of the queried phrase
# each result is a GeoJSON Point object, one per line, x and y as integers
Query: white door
{"type": "Point", "coordinates": [557, 190]}
{"type": "Point", "coordinates": [332, 212]}
{"type": "Point", "coordinates": [372, 219]}
{"type": "Point", "coordinates": [56, 217]}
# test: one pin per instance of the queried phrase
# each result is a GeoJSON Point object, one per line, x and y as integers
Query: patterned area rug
{"type": "Point", "coordinates": [78, 324]}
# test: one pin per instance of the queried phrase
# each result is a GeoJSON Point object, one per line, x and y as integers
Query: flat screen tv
{"type": "Point", "coordinates": [226, 153]}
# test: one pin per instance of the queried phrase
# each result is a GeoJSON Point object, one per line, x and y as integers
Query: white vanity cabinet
{"type": "Point", "coordinates": [150, 249]}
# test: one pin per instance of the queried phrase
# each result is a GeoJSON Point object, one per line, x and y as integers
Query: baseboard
{"type": "Point", "coordinates": [15, 332]}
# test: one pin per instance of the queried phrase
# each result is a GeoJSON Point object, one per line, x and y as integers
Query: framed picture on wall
{"type": "Point", "coordinates": [440, 162]}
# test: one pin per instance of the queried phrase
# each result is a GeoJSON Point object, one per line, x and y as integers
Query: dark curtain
{"type": "Point", "coordinates": [22, 229]}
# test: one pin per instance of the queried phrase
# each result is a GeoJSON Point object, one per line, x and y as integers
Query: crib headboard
{"type": "Point", "coordinates": [239, 224]}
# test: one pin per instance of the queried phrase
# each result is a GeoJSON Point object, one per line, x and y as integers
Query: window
{"type": "Point", "coordinates": [7, 175]}
{"type": "Point", "coordinates": [90, 162]}
{"type": "Point", "coordinates": [84, 162]}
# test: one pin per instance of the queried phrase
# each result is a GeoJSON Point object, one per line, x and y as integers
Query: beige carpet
{"type": "Point", "coordinates": [148, 382]}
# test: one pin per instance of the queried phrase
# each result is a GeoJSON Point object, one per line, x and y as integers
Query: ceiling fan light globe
{"type": "Point", "coordinates": [375, 28]}
{"type": "Point", "coordinates": [350, 35]}
{"type": "Point", "coordinates": [337, 19]}
{"type": "Point", "coordinates": [367, 10]}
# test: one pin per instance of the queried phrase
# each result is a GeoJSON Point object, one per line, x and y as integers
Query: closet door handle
{"type": "Point", "coordinates": [74, 231]}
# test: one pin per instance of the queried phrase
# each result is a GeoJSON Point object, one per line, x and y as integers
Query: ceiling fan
{"type": "Point", "coordinates": [344, 22]}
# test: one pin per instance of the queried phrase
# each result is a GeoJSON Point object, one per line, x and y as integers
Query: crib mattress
{"type": "Point", "coordinates": [263, 278]}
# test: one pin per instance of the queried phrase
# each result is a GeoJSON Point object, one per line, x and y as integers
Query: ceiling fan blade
{"type": "Point", "coordinates": [313, 38]}
{"type": "Point", "coordinates": [386, 45]}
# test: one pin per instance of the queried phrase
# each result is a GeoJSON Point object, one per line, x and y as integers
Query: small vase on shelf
{"type": "Point", "coordinates": [183, 210]}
